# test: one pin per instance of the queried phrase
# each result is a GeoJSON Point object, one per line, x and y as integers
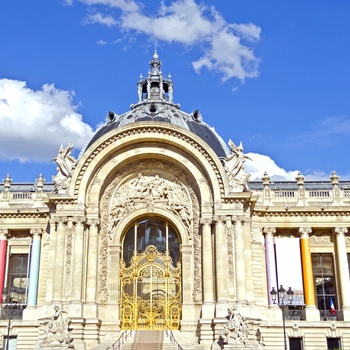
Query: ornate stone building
{"type": "Point", "coordinates": [157, 226]}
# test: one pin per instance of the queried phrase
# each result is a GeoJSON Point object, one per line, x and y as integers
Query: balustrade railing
{"type": "Point", "coordinates": [21, 195]}
{"type": "Point", "coordinates": [284, 194]}
{"type": "Point", "coordinates": [121, 340]}
{"type": "Point", "coordinates": [327, 315]}
{"type": "Point", "coordinates": [319, 193]}
{"type": "Point", "coordinates": [295, 314]}
{"type": "Point", "coordinates": [170, 335]}
{"type": "Point", "coordinates": [12, 311]}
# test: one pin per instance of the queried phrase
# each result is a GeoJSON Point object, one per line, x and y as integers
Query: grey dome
{"type": "Point", "coordinates": [155, 103]}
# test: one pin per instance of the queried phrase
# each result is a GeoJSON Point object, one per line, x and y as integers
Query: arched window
{"type": "Point", "coordinates": [146, 232]}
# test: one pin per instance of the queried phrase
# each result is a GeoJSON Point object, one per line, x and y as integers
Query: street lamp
{"type": "Point", "coordinates": [282, 305]}
{"type": "Point", "coordinates": [5, 306]}
{"type": "Point", "coordinates": [11, 307]}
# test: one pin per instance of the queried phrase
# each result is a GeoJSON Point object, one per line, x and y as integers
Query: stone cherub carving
{"type": "Point", "coordinates": [66, 164]}
{"type": "Point", "coordinates": [236, 329]}
{"type": "Point", "coordinates": [57, 331]}
{"type": "Point", "coordinates": [234, 166]}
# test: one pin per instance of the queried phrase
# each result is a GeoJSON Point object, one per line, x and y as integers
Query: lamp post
{"type": "Point", "coordinates": [5, 306]}
{"type": "Point", "coordinates": [11, 306]}
{"type": "Point", "coordinates": [282, 305]}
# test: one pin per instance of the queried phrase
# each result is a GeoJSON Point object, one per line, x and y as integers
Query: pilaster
{"type": "Point", "coordinates": [240, 268]}
{"type": "Point", "coordinates": [90, 307]}
{"type": "Point", "coordinates": [207, 259]}
{"type": "Point", "coordinates": [59, 260]}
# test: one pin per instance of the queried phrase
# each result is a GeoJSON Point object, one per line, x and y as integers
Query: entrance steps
{"type": "Point", "coordinates": [149, 340]}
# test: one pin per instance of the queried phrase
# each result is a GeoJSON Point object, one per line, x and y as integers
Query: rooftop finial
{"type": "Point", "coordinates": [155, 55]}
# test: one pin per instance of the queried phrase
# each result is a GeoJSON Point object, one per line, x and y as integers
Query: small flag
{"type": "Point", "coordinates": [331, 306]}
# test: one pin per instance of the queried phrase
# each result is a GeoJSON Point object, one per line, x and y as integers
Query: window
{"type": "Point", "coordinates": [295, 343]}
{"type": "Point", "coordinates": [324, 279]}
{"type": "Point", "coordinates": [12, 342]}
{"type": "Point", "coordinates": [156, 232]}
{"type": "Point", "coordinates": [17, 277]}
{"type": "Point", "coordinates": [333, 344]}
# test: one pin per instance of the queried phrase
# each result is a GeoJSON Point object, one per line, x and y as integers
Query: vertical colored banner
{"type": "Point", "coordinates": [289, 270]}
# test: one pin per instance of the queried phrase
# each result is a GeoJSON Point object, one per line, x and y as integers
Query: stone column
{"type": "Point", "coordinates": [77, 261]}
{"type": "Point", "coordinates": [270, 261]}
{"type": "Point", "coordinates": [92, 259]}
{"type": "Point", "coordinates": [51, 260]}
{"type": "Point", "coordinates": [34, 267]}
{"type": "Point", "coordinates": [241, 290]}
{"type": "Point", "coordinates": [59, 260]}
{"type": "Point", "coordinates": [311, 312]}
{"type": "Point", "coordinates": [220, 259]}
{"type": "Point", "coordinates": [188, 313]}
{"type": "Point", "coordinates": [207, 261]}
{"type": "Point", "coordinates": [343, 268]}
{"type": "Point", "coordinates": [3, 250]}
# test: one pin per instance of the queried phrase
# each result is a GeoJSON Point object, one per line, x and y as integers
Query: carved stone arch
{"type": "Point", "coordinates": [147, 206]}
{"type": "Point", "coordinates": [121, 167]}
{"type": "Point", "coordinates": [159, 137]}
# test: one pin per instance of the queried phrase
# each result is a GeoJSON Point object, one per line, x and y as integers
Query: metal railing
{"type": "Point", "coordinates": [170, 335]}
{"type": "Point", "coordinates": [12, 311]}
{"type": "Point", "coordinates": [327, 315]}
{"type": "Point", "coordinates": [121, 340]}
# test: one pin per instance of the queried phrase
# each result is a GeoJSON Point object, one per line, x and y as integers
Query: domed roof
{"type": "Point", "coordinates": [155, 103]}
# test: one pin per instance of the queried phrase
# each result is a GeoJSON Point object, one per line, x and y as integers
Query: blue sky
{"type": "Point", "coordinates": [272, 74]}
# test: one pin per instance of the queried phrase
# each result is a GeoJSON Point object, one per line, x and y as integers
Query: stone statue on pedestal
{"type": "Point", "coordinates": [234, 166]}
{"type": "Point", "coordinates": [236, 329]}
{"type": "Point", "coordinates": [66, 164]}
{"type": "Point", "coordinates": [57, 333]}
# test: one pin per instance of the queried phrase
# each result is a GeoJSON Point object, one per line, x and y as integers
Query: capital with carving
{"type": "Point", "coordinates": [79, 219]}
{"type": "Point", "coordinates": [206, 221]}
{"type": "Point", "coordinates": [219, 219]}
{"type": "Point", "coordinates": [305, 232]}
{"type": "Point", "coordinates": [239, 219]}
{"type": "Point", "coordinates": [340, 230]}
{"type": "Point", "coordinates": [3, 233]}
{"type": "Point", "coordinates": [36, 232]}
{"type": "Point", "coordinates": [269, 231]}
{"type": "Point", "coordinates": [93, 222]}
{"type": "Point", "coordinates": [61, 219]}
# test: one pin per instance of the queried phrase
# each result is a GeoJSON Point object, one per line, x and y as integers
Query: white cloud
{"type": "Point", "coordinates": [32, 121]}
{"type": "Point", "coordinates": [227, 47]}
{"type": "Point", "coordinates": [260, 163]}
{"type": "Point", "coordinates": [100, 18]}
{"type": "Point", "coordinates": [125, 5]}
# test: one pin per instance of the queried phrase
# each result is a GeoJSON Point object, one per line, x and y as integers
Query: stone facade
{"type": "Point", "coordinates": [230, 232]}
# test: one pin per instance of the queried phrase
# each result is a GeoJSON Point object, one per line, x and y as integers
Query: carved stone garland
{"type": "Point", "coordinates": [229, 240]}
{"type": "Point", "coordinates": [146, 190]}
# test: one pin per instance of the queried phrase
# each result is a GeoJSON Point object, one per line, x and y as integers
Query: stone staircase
{"type": "Point", "coordinates": [149, 340]}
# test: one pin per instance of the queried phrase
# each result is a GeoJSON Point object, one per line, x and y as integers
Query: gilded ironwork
{"type": "Point", "coordinates": [150, 291]}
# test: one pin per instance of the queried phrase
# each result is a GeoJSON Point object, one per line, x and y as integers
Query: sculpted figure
{"type": "Point", "coordinates": [236, 329]}
{"type": "Point", "coordinates": [234, 166]}
{"type": "Point", "coordinates": [66, 164]}
{"type": "Point", "coordinates": [57, 331]}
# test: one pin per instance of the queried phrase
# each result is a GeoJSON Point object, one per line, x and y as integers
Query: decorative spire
{"type": "Point", "coordinates": [155, 88]}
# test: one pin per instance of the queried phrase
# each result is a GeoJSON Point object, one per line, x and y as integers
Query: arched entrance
{"type": "Point", "coordinates": [150, 276]}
